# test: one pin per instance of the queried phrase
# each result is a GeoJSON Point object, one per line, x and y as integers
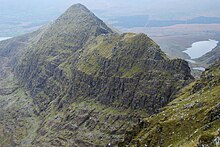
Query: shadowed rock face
{"type": "Point", "coordinates": [90, 84]}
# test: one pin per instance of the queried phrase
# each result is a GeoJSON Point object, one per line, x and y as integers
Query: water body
{"type": "Point", "coordinates": [4, 38]}
{"type": "Point", "coordinates": [199, 68]}
{"type": "Point", "coordinates": [191, 61]}
{"type": "Point", "coordinates": [200, 48]}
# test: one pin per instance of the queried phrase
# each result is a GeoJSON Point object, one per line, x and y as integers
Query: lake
{"type": "Point", "coordinates": [199, 68]}
{"type": "Point", "coordinates": [4, 38]}
{"type": "Point", "coordinates": [200, 48]}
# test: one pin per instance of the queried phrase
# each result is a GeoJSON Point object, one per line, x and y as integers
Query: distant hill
{"type": "Point", "coordinates": [210, 57]}
{"type": "Point", "coordinates": [144, 21]}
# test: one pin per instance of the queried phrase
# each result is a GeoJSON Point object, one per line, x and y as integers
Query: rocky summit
{"type": "Point", "coordinates": [76, 82]}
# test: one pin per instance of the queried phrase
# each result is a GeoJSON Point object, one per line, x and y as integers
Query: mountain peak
{"type": "Point", "coordinates": [78, 7]}
{"type": "Point", "coordinates": [81, 20]}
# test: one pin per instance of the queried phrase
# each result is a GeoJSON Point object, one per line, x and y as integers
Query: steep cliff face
{"type": "Point", "coordinates": [192, 119]}
{"type": "Point", "coordinates": [90, 84]}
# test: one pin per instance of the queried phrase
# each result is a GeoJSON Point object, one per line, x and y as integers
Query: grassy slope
{"type": "Point", "coordinates": [105, 46]}
{"type": "Point", "coordinates": [193, 115]}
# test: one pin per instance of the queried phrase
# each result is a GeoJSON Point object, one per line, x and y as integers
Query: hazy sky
{"type": "Point", "coordinates": [156, 9]}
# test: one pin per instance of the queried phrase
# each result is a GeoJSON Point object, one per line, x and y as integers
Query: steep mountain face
{"type": "Point", "coordinates": [89, 84]}
{"type": "Point", "coordinates": [81, 57]}
{"type": "Point", "coordinates": [211, 57]}
{"type": "Point", "coordinates": [192, 119]}
{"type": "Point", "coordinates": [18, 122]}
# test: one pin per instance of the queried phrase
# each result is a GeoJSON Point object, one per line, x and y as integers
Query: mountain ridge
{"type": "Point", "coordinates": [82, 77]}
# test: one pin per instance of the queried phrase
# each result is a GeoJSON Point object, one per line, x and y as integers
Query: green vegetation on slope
{"type": "Point", "coordinates": [191, 118]}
